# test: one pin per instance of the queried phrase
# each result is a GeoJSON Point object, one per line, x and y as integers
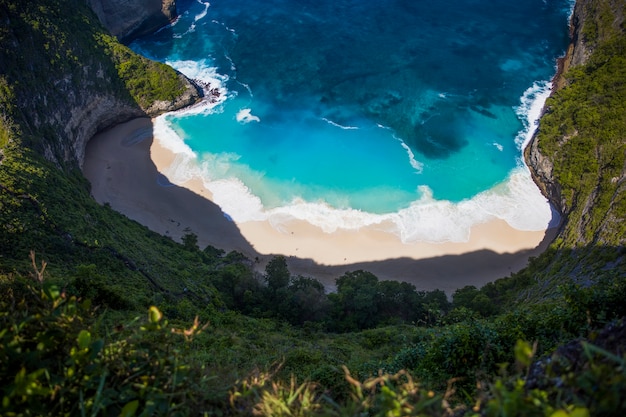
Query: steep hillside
{"type": "Point", "coordinates": [129, 18]}
{"type": "Point", "coordinates": [579, 153]}
{"type": "Point", "coordinates": [63, 78]}
{"type": "Point", "coordinates": [75, 338]}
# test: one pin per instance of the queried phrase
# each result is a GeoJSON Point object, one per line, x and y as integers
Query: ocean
{"type": "Point", "coordinates": [409, 115]}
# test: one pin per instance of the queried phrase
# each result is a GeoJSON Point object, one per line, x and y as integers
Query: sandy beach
{"type": "Point", "coordinates": [124, 166]}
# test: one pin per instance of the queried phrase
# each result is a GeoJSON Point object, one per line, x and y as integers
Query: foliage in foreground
{"type": "Point", "coordinates": [57, 358]}
{"type": "Point", "coordinates": [60, 356]}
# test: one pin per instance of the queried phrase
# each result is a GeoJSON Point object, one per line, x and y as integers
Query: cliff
{"type": "Point", "coordinates": [130, 18]}
{"type": "Point", "coordinates": [577, 156]}
{"type": "Point", "coordinates": [73, 340]}
{"type": "Point", "coordinates": [63, 78]}
{"type": "Point", "coordinates": [64, 88]}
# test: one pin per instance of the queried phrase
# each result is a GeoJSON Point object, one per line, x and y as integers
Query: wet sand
{"type": "Point", "coordinates": [124, 166]}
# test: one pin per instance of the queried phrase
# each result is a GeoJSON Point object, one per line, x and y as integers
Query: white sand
{"type": "Point", "coordinates": [123, 165]}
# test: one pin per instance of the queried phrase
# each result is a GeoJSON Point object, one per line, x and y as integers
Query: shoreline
{"type": "Point", "coordinates": [125, 165]}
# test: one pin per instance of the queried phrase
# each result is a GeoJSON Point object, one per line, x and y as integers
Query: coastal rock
{"type": "Point", "coordinates": [127, 19]}
{"type": "Point", "coordinates": [591, 201]}
{"type": "Point", "coordinates": [578, 52]}
{"type": "Point", "coordinates": [93, 111]}
{"type": "Point", "coordinates": [76, 111]}
{"type": "Point", "coordinates": [191, 95]}
{"type": "Point", "coordinates": [68, 89]}
{"type": "Point", "coordinates": [97, 114]}
{"type": "Point", "coordinates": [541, 168]}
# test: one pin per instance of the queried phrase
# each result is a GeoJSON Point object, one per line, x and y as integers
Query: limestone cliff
{"type": "Point", "coordinates": [130, 18]}
{"type": "Point", "coordinates": [577, 53]}
{"type": "Point", "coordinates": [578, 154]}
{"type": "Point", "coordinates": [64, 88]}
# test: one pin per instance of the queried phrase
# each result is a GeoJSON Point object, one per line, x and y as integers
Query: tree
{"type": "Point", "coordinates": [463, 297]}
{"type": "Point", "coordinates": [471, 298]}
{"type": "Point", "coordinates": [310, 300]}
{"type": "Point", "coordinates": [277, 274]}
{"type": "Point", "coordinates": [190, 240]}
{"type": "Point", "coordinates": [399, 301]}
{"type": "Point", "coordinates": [436, 304]}
{"type": "Point", "coordinates": [355, 305]}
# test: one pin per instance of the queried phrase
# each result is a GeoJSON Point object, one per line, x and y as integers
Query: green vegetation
{"type": "Point", "coordinates": [59, 355]}
{"type": "Point", "coordinates": [54, 54]}
{"type": "Point", "coordinates": [100, 316]}
{"type": "Point", "coordinates": [147, 81]}
{"type": "Point", "coordinates": [583, 129]}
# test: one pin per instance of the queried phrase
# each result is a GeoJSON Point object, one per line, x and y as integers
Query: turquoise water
{"type": "Point", "coordinates": [349, 113]}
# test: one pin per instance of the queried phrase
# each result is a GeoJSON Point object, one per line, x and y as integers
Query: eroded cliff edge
{"type": "Point", "coordinates": [541, 166]}
{"type": "Point", "coordinates": [130, 18]}
{"type": "Point", "coordinates": [577, 156]}
{"type": "Point", "coordinates": [71, 79]}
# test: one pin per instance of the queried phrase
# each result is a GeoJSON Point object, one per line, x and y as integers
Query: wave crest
{"type": "Point", "coordinates": [517, 200]}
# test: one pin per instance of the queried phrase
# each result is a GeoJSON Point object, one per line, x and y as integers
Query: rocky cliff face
{"type": "Point", "coordinates": [541, 166]}
{"type": "Point", "coordinates": [578, 51]}
{"type": "Point", "coordinates": [87, 111]}
{"type": "Point", "coordinates": [578, 156]}
{"type": "Point", "coordinates": [93, 111]}
{"type": "Point", "coordinates": [66, 88]}
{"type": "Point", "coordinates": [130, 18]}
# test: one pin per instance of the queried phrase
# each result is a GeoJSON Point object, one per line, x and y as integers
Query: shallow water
{"type": "Point", "coordinates": [349, 113]}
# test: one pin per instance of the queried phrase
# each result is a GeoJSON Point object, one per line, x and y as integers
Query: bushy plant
{"type": "Point", "coordinates": [54, 362]}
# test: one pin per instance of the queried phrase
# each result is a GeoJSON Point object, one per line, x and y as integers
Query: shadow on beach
{"type": "Point", "coordinates": [120, 167]}
{"type": "Point", "coordinates": [446, 272]}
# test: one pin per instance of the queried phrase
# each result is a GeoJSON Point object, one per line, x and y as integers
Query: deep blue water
{"type": "Point", "coordinates": [374, 106]}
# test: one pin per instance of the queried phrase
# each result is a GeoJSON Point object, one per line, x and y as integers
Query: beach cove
{"type": "Point", "coordinates": [125, 166]}
{"type": "Point", "coordinates": [407, 163]}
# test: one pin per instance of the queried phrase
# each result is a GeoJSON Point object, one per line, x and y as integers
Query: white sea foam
{"type": "Point", "coordinates": [516, 200]}
{"type": "Point", "coordinates": [203, 13]}
{"type": "Point", "coordinates": [322, 215]}
{"type": "Point", "coordinates": [231, 30]}
{"type": "Point", "coordinates": [246, 116]}
{"type": "Point", "coordinates": [201, 70]}
{"type": "Point", "coordinates": [236, 200]}
{"type": "Point", "coordinates": [205, 74]}
{"type": "Point", "coordinates": [192, 27]}
{"type": "Point", "coordinates": [169, 139]}
{"type": "Point", "coordinates": [330, 122]}
{"type": "Point", "coordinates": [529, 111]}
{"type": "Point", "coordinates": [417, 165]}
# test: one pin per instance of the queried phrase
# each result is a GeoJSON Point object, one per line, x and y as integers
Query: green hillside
{"type": "Point", "coordinates": [101, 316]}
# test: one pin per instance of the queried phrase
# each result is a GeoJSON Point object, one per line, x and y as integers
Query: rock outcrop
{"type": "Point", "coordinates": [577, 155]}
{"type": "Point", "coordinates": [578, 52]}
{"type": "Point", "coordinates": [65, 88]}
{"type": "Point", "coordinates": [92, 111]}
{"type": "Point", "coordinates": [192, 94]}
{"type": "Point", "coordinates": [127, 19]}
